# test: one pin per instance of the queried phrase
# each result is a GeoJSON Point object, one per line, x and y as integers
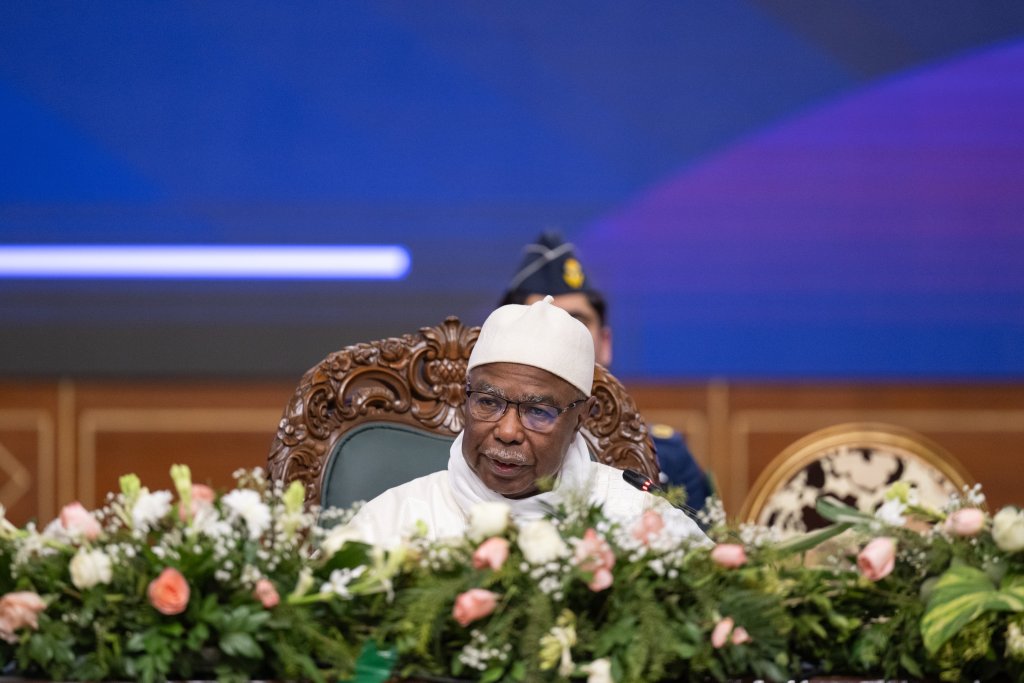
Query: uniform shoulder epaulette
{"type": "Point", "coordinates": [662, 431]}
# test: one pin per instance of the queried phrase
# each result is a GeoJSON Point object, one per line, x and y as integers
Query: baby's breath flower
{"type": "Point", "coordinates": [340, 580]}
{"type": "Point", "coordinates": [150, 508]}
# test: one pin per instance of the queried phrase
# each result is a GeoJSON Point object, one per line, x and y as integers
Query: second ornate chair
{"type": "Point", "coordinates": [374, 415]}
{"type": "Point", "coordinates": [854, 462]}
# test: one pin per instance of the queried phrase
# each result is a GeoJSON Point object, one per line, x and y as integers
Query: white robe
{"type": "Point", "coordinates": [442, 500]}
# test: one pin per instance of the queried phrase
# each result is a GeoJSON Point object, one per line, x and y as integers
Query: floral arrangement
{"type": "Point", "coordinates": [191, 584]}
{"type": "Point", "coordinates": [907, 592]}
{"type": "Point", "coordinates": [195, 585]}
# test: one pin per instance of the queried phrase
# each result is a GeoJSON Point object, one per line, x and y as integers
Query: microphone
{"type": "Point", "coordinates": [641, 481]}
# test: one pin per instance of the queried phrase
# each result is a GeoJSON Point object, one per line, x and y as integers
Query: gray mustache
{"type": "Point", "coordinates": [506, 457]}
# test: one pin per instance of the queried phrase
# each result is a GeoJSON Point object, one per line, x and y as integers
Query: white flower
{"type": "Point", "coordinates": [599, 671]}
{"type": "Point", "coordinates": [891, 512]}
{"type": "Point", "coordinates": [488, 519]}
{"type": "Point", "coordinates": [337, 537]}
{"type": "Point", "coordinates": [304, 583]}
{"type": "Point", "coordinates": [248, 505]}
{"type": "Point", "coordinates": [207, 521]}
{"type": "Point", "coordinates": [7, 530]}
{"type": "Point", "coordinates": [150, 508]}
{"type": "Point", "coordinates": [556, 645]}
{"type": "Point", "coordinates": [1014, 641]}
{"type": "Point", "coordinates": [1008, 529]}
{"type": "Point", "coordinates": [541, 543]}
{"type": "Point", "coordinates": [90, 568]}
{"type": "Point", "coordinates": [55, 531]}
{"type": "Point", "coordinates": [340, 579]}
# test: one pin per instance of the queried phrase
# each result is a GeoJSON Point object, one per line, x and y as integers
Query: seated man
{"type": "Point", "coordinates": [551, 268]}
{"type": "Point", "coordinates": [528, 390]}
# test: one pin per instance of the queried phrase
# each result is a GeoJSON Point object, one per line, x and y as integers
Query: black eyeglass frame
{"type": "Point", "coordinates": [519, 408]}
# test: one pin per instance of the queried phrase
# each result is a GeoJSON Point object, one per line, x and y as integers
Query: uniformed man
{"type": "Point", "coordinates": [550, 267]}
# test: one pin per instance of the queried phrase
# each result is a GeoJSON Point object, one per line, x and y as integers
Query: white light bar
{"type": "Point", "coordinates": [306, 262]}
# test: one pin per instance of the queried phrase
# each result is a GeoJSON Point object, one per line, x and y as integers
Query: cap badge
{"type": "Point", "coordinates": [572, 273]}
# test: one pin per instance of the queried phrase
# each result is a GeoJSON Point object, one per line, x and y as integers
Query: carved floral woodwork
{"type": "Point", "coordinates": [419, 380]}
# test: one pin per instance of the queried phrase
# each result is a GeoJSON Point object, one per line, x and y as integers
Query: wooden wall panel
{"type": "Point", "coordinates": [71, 440]}
{"type": "Point", "coordinates": [214, 427]}
{"type": "Point", "coordinates": [749, 424]}
{"type": "Point", "coordinates": [29, 417]}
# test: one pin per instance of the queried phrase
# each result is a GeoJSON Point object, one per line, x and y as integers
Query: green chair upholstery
{"type": "Point", "coordinates": [374, 457]}
{"type": "Point", "coordinates": [377, 414]}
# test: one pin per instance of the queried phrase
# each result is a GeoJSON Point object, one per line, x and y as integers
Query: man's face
{"type": "Point", "coordinates": [505, 455]}
{"type": "Point", "coordinates": [577, 305]}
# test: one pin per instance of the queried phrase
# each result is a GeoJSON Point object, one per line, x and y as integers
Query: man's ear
{"type": "Point", "coordinates": [585, 412]}
{"type": "Point", "coordinates": [606, 347]}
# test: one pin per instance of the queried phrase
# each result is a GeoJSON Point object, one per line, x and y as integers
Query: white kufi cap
{"type": "Point", "coordinates": [541, 335]}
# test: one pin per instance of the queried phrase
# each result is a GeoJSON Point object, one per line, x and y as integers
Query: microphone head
{"type": "Point", "coordinates": [640, 481]}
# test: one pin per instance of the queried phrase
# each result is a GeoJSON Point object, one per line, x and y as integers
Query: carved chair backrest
{"type": "Point", "coordinates": [855, 462]}
{"type": "Point", "coordinates": [374, 415]}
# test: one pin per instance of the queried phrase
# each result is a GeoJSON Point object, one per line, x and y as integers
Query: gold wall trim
{"type": "Point", "coordinates": [162, 420]}
{"type": "Point", "coordinates": [20, 479]}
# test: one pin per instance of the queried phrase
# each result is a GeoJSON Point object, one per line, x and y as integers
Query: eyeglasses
{"type": "Point", "coordinates": [537, 417]}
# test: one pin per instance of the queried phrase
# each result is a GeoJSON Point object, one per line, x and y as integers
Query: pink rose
{"type": "Point", "coordinates": [965, 522]}
{"type": "Point", "coordinates": [730, 555]}
{"type": "Point", "coordinates": [740, 636]}
{"type": "Point", "coordinates": [878, 558]}
{"type": "Point", "coordinates": [266, 593]}
{"type": "Point", "coordinates": [593, 555]}
{"type": "Point", "coordinates": [649, 525]}
{"type": "Point", "coordinates": [720, 634]}
{"type": "Point", "coordinates": [203, 493]}
{"type": "Point", "coordinates": [726, 631]}
{"type": "Point", "coordinates": [476, 603]}
{"type": "Point", "coordinates": [202, 497]}
{"type": "Point", "coordinates": [76, 519]}
{"type": "Point", "coordinates": [169, 592]}
{"type": "Point", "coordinates": [492, 553]}
{"type": "Point", "coordinates": [19, 610]}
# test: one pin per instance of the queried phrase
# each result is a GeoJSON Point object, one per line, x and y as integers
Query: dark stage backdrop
{"type": "Point", "coordinates": [765, 189]}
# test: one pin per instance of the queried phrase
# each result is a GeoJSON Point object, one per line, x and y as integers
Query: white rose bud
{"type": "Point", "coordinates": [1008, 529]}
{"type": "Point", "coordinates": [541, 542]}
{"type": "Point", "coordinates": [599, 671]}
{"type": "Point", "coordinates": [488, 519]}
{"type": "Point", "coordinates": [90, 568]}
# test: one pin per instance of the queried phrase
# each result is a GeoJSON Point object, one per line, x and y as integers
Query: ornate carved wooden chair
{"type": "Point", "coordinates": [854, 462]}
{"type": "Point", "coordinates": [374, 415]}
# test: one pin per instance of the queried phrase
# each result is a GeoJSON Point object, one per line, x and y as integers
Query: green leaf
{"type": "Point", "coordinates": [240, 645]}
{"type": "Point", "coordinates": [959, 597]}
{"type": "Point", "coordinates": [492, 675]}
{"type": "Point", "coordinates": [685, 651]}
{"type": "Point", "coordinates": [805, 542]}
{"type": "Point", "coordinates": [835, 510]}
{"type": "Point", "coordinates": [253, 620]}
{"type": "Point", "coordinates": [912, 667]}
{"type": "Point", "coordinates": [351, 555]}
{"type": "Point", "coordinates": [197, 636]}
{"type": "Point", "coordinates": [1013, 588]}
